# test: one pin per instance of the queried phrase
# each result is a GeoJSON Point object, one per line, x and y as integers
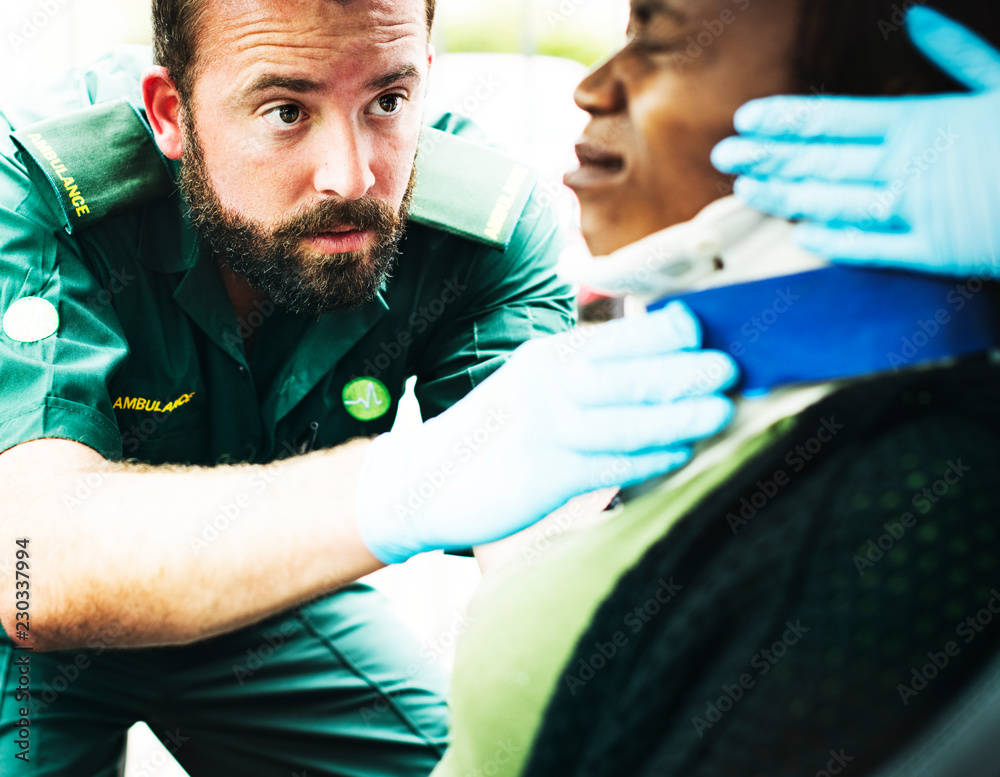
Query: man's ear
{"type": "Point", "coordinates": [163, 109]}
{"type": "Point", "coordinates": [430, 55]}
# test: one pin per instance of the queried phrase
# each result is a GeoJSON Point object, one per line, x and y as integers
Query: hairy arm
{"type": "Point", "coordinates": [172, 555]}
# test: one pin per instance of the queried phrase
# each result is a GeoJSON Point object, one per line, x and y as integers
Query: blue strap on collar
{"type": "Point", "coordinates": [841, 322]}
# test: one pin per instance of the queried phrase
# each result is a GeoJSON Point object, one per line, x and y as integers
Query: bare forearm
{"type": "Point", "coordinates": [165, 556]}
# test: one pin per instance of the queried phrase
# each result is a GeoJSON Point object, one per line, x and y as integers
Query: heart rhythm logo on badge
{"type": "Point", "coordinates": [366, 399]}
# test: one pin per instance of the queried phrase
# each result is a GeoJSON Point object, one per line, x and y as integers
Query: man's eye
{"type": "Point", "coordinates": [388, 105]}
{"type": "Point", "coordinates": [283, 116]}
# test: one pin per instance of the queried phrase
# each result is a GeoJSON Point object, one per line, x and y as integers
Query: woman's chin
{"type": "Point", "coordinates": [608, 226]}
{"type": "Point", "coordinates": [605, 236]}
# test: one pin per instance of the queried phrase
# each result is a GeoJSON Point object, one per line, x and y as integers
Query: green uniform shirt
{"type": "Point", "coordinates": [146, 360]}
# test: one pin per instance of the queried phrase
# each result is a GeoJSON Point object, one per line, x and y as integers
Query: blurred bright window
{"type": "Point", "coordinates": [39, 38]}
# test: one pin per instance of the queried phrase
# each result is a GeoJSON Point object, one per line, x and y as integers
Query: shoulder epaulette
{"type": "Point", "coordinates": [469, 190]}
{"type": "Point", "coordinates": [98, 161]}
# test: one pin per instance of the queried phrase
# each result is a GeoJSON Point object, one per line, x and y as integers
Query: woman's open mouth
{"type": "Point", "coordinates": [597, 166]}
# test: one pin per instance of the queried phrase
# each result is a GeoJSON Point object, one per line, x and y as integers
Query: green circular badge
{"type": "Point", "coordinates": [366, 399]}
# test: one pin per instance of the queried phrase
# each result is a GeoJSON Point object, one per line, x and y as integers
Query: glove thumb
{"type": "Point", "coordinates": [955, 49]}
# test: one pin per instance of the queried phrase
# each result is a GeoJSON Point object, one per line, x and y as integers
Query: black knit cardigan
{"type": "Point", "coordinates": [835, 593]}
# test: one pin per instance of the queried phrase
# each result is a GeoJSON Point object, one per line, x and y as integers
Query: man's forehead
{"type": "Point", "coordinates": [379, 11]}
{"type": "Point", "coordinates": [242, 24]}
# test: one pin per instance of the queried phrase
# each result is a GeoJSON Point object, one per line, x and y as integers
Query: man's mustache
{"type": "Point", "coordinates": [365, 215]}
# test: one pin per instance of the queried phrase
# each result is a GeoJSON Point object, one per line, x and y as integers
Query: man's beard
{"type": "Point", "coordinates": [274, 261]}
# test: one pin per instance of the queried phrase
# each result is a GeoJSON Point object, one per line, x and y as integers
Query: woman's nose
{"type": "Point", "coordinates": [602, 91]}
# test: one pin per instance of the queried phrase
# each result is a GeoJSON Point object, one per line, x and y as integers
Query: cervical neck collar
{"type": "Point", "coordinates": [725, 244]}
{"type": "Point", "coordinates": [786, 316]}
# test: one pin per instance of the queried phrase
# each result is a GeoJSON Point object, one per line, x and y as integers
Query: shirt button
{"type": "Point", "coordinates": [242, 370]}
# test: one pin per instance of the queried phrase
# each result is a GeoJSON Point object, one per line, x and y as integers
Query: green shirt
{"type": "Point", "coordinates": [147, 359]}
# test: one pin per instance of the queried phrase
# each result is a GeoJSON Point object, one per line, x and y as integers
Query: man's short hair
{"type": "Point", "coordinates": [175, 30]}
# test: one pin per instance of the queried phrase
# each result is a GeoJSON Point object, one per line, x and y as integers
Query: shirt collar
{"type": "Point", "coordinates": [169, 244]}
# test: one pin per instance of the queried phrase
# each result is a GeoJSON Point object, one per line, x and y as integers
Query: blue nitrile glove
{"type": "Point", "coordinates": [608, 405]}
{"type": "Point", "coordinates": [909, 182]}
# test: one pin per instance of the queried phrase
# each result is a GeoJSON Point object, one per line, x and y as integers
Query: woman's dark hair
{"type": "Point", "coordinates": [618, 721]}
{"type": "Point", "coordinates": [860, 47]}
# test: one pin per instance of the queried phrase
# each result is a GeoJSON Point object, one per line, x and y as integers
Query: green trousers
{"type": "Point", "coordinates": [337, 687]}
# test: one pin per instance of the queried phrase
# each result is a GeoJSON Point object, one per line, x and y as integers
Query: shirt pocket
{"type": "Point", "coordinates": [185, 444]}
{"type": "Point", "coordinates": [173, 431]}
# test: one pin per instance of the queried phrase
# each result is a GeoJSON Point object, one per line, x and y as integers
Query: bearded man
{"type": "Point", "coordinates": [207, 291]}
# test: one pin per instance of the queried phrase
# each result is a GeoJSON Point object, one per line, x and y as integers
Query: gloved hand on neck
{"type": "Point", "coordinates": [611, 405]}
{"type": "Point", "coordinates": [910, 182]}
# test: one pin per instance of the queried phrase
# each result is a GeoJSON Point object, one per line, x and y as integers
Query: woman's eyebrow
{"type": "Point", "coordinates": [647, 10]}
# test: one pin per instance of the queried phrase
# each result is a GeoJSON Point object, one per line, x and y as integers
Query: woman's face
{"type": "Point", "coordinates": [660, 105]}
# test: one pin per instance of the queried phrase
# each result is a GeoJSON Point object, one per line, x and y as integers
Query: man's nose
{"type": "Point", "coordinates": [343, 161]}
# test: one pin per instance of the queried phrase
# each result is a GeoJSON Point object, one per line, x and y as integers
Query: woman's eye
{"type": "Point", "coordinates": [650, 48]}
{"type": "Point", "coordinates": [388, 105]}
{"type": "Point", "coordinates": [652, 45]}
{"type": "Point", "coordinates": [283, 116]}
